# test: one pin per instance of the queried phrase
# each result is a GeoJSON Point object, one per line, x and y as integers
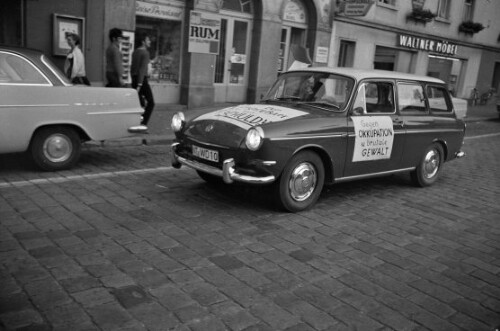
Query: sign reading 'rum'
{"type": "Point", "coordinates": [204, 33]}
{"type": "Point", "coordinates": [424, 44]}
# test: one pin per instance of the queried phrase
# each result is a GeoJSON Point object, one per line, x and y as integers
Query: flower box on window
{"type": "Point", "coordinates": [470, 27]}
{"type": "Point", "coordinates": [421, 15]}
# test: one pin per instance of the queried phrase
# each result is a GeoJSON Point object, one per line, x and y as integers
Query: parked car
{"type": "Point", "coordinates": [321, 126]}
{"type": "Point", "coordinates": [43, 113]}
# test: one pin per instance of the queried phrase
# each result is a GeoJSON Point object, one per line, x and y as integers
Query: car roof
{"type": "Point", "coordinates": [359, 74]}
{"type": "Point", "coordinates": [22, 50]}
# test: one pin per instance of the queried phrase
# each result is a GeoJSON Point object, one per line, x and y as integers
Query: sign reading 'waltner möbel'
{"type": "Point", "coordinates": [424, 44]}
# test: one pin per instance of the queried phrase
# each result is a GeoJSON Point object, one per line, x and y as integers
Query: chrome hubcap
{"type": "Point", "coordinates": [57, 148]}
{"type": "Point", "coordinates": [431, 164]}
{"type": "Point", "coordinates": [302, 181]}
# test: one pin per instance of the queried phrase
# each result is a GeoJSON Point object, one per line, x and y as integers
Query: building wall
{"type": "Point", "coordinates": [476, 54]}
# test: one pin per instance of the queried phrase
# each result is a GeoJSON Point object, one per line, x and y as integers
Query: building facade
{"type": "Point", "coordinates": [456, 41]}
{"type": "Point", "coordinates": [211, 51]}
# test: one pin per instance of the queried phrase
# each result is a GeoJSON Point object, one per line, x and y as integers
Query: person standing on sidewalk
{"type": "Point", "coordinates": [114, 59]}
{"type": "Point", "coordinates": [74, 66]}
{"type": "Point", "coordinates": [139, 73]}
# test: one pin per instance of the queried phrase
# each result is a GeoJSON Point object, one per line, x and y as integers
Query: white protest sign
{"type": "Point", "coordinates": [374, 138]}
{"type": "Point", "coordinates": [247, 116]}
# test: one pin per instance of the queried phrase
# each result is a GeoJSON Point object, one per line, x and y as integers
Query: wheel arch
{"type": "Point", "coordinates": [81, 133]}
{"type": "Point", "coordinates": [325, 158]}
{"type": "Point", "coordinates": [444, 146]}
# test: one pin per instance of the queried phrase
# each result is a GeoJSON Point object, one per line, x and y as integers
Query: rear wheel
{"type": "Point", "coordinates": [301, 182]}
{"type": "Point", "coordinates": [55, 148]}
{"type": "Point", "coordinates": [428, 169]}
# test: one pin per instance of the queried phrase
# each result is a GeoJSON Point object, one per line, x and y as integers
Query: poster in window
{"type": "Point", "coordinates": [65, 24]}
{"type": "Point", "coordinates": [204, 33]}
{"type": "Point", "coordinates": [127, 47]}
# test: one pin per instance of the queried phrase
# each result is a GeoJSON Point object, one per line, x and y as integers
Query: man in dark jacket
{"type": "Point", "coordinates": [139, 73]}
{"type": "Point", "coordinates": [114, 59]}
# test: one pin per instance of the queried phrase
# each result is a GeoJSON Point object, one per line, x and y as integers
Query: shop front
{"type": "Point", "coordinates": [454, 63]}
{"type": "Point", "coordinates": [443, 59]}
{"type": "Point", "coordinates": [163, 23]}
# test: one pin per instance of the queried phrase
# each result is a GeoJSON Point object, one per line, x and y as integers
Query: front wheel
{"type": "Point", "coordinates": [301, 182]}
{"type": "Point", "coordinates": [428, 169]}
{"type": "Point", "coordinates": [55, 148]}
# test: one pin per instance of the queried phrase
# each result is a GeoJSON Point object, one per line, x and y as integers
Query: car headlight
{"type": "Point", "coordinates": [254, 139]}
{"type": "Point", "coordinates": [178, 121]}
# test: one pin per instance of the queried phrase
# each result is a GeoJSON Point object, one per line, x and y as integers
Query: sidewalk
{"type": "Point", "coordinates": [160, 132]}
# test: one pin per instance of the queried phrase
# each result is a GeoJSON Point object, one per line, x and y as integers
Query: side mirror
{"type": "Point", "coordinates": [357, 111]}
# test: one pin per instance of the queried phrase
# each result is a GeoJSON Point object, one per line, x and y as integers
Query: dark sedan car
{"type": "Point", "coordinates": [325, 125]}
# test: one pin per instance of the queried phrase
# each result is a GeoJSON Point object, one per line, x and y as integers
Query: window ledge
{"type": "Point", "coordinates": [442, 20]}
{"type": "Point", "coordinates": [384, 5]}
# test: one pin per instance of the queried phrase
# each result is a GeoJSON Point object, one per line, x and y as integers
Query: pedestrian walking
{"type": "Point", "coordinates": [139, 73]}
{"type": "Point", "coordinates": [74, 66]}
{"type": "Point", "coordinates": [114, 59]}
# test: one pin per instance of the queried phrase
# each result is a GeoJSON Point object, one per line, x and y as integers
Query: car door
{"type": "Point", "coordinates": [428, 115]}
{"type": "Point", "coordinates": [376, 132]}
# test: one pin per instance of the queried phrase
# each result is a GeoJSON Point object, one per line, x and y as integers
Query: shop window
{"type": "Point", "coordinates": [385, 58]}
{"type": "Point", "coordinates": [391, 3]}
{"type": "Point", "coordinates": [438, 100]}
{"type": "Point", "coordinates": [411, 98]}
{"type": "Point", "coordinates": [346, 53]}
{"type": "Point", "coordinates": [444, 9]}
{"type": "Point", "coordinates": [242, 6]}
{"type": "Point", "coordinates": [468, 10]}
{"type": "Point", "coordinates": [165, 48]}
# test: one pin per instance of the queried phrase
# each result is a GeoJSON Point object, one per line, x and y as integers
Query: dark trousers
{"type": "Point", "coordinates": [145, 97]}
{"type": "Point", "coordinates": [113, 79]}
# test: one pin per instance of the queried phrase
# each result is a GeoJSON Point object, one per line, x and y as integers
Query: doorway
{"type": "Point", "coordinates": [232, 62]}
{"type": "Point", "coordinates": [291, 38]}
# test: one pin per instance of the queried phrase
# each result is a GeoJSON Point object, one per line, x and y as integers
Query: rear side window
{"type": "Point", "coordinates": [16, 70]}
{"type": "Point", "coordinates": [411, 98]}
{"type": "Point", "coordinates": [438, 99]}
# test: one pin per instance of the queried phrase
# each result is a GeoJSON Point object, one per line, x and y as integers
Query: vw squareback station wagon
{"type": "Point", "coordinates": [321, 126]}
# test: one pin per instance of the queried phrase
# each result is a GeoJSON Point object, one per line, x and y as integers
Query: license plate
{"type": "Point", "coordinates": [206, 154]}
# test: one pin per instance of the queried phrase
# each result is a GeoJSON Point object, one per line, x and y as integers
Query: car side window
{"type": "Point", "coordinates": [438, 99]}
{"type": "Point", "coordinates": [411, 98]}
{"type": "Point", "coordinates": [16, 70]}
{"type": "Point", "coordinates": [375, 97]}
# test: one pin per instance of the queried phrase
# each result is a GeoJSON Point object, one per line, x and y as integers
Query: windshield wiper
{"type": "Point", "coordinates": [319, 104]}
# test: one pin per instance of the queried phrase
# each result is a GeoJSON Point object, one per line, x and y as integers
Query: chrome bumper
{"type": "Point", "coordinates": [228, 172]}
{"type": "Point", "coordinates": [138, 129]}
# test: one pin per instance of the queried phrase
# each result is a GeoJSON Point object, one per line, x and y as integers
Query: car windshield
{"type": "Point", "coordinates": [55, 70]}
{"type": "Point", "coordinates": [319, 89]}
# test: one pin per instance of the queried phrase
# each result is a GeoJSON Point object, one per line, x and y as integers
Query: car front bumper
{"type": "Point", "coordinates": [228, 172]}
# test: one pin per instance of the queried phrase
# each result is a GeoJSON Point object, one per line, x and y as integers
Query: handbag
{"type": "Point", "coordinates": [82, 80]}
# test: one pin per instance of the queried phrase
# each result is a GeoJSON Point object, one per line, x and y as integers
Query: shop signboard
{"type": "Point", "coordinates": [143, 8]}
{"type": "Point", "coordinates": [204, 33]}
{"type": "Point", "coordinates": [356, 7]}
{"type": "Point", "coordinates": [442, 47]}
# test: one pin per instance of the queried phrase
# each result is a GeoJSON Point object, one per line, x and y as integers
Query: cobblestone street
{"type": "Point", "coordinates": [124, 242]}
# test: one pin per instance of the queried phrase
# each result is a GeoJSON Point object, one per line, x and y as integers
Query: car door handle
{"type": "Point", "coordinates": [398, 121]}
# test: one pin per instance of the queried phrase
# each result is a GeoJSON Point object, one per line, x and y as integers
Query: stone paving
{"type": "Point", "coordinates": [124, 242]}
